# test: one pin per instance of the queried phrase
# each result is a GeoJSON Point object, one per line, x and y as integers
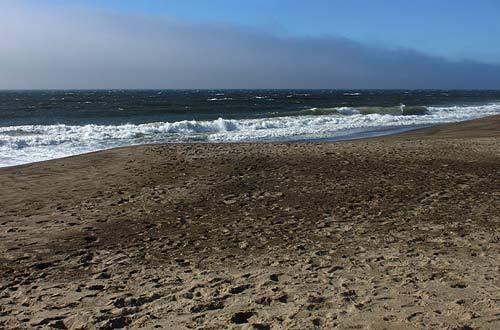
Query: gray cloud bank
{"type": "Point", "coordinates": [69, 48]}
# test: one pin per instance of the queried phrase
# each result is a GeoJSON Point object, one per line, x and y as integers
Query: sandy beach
{"type": "Point", "coordinates": [395, 232]}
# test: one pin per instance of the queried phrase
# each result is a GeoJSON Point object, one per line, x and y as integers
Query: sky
{"type": "Point", "coordinates": [249, 44]}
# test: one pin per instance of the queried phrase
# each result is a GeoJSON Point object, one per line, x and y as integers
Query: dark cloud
{"type": "Point", "coordinates": [63, 48]}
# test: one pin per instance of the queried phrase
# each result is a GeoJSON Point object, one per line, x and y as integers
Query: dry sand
{"type": "Point", "coordinates": [398, 232]}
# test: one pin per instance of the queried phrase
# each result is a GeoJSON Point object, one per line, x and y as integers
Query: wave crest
{"type": "Point", "coordinates": [23, 144]}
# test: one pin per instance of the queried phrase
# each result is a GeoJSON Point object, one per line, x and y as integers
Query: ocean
{"type": "Point", "coordinates": [41, 125]}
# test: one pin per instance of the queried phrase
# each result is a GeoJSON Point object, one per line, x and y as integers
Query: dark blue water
{"type": "Point", "coordinates": [123, 106]}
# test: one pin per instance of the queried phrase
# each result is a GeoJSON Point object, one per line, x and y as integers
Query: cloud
{"type": "Point", "coordinates": [55, 47]}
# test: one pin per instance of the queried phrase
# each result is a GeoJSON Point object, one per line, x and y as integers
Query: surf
{"type": "Point", "coordinates": [28, 143]}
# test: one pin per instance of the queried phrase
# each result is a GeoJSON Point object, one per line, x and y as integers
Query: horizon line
{"type": "Point", "coordinates": [245, 89]}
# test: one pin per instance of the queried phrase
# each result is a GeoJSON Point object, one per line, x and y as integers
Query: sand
{"type": "Point", "coordinates": [396, 232]}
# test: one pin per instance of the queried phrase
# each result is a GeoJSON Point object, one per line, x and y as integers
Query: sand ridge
{"type": "Point", "coordinates": [396, 232]}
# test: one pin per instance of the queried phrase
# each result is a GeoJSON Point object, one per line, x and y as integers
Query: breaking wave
{"type": "Point", "coordinates": [24, 144]}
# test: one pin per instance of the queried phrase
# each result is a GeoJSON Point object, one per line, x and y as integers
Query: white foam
{"type": "Point", "coordinates": [220, 99]}
{"type": "Point", "coordinates": [347, 111]}
{"type": "Point", "coordinates": [24, 144]}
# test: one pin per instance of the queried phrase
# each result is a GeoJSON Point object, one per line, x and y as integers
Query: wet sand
{"type": "Point", "coordinates": [396, 232]}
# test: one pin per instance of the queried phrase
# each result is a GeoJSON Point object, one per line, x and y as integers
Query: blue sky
{"type": "Point", "coordinates": [438, 44]}
{"type": "Point", "coordinates": [456, 29]}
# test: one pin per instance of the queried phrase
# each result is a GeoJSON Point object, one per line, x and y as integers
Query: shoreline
{"type": "Point", "coordinates": [373, 134]}
{"type": "Point", "coordinates": [349, 137]}
{"type": "Point", "coordinates": [397, 231]}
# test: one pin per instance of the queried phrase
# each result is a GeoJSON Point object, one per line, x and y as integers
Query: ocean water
{"type": "Point", "coordinates": [41, 125]}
